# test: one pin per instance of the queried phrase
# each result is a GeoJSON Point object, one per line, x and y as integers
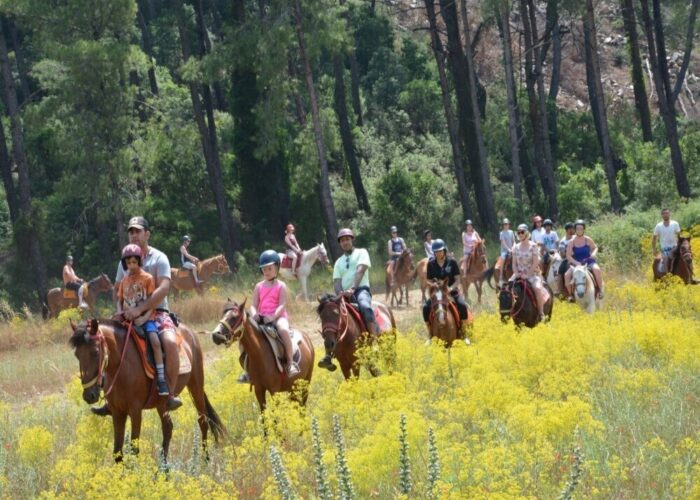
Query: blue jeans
{"type": "Point", "coordinates": [364, 301]}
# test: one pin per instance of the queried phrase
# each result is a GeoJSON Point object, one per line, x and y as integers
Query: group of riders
{"type": "Point", "coordinates": [143, 279]}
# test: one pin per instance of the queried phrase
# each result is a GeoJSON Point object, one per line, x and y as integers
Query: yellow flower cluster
{"type": "Point", "coordinates": [620, 385]}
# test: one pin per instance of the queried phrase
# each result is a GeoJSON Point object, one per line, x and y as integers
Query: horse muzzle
{"type": "Point", "coordinates": [329, 344]}
{"type": "Point", "coordinates": [580, 290]}
{"type": "Point", "coordinates": [218, 338]}
{"type": "Point", "coordinates": [91, 395]}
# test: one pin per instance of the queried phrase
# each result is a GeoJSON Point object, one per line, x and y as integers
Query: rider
{"type": "Point", "coordinates": [582, 250]}
{"type": "Point", "coordinates": [666, 234]}
{"type": "Point", "coordinates": [293, 251]}
{"type": "Point", "coordinates": [507, 239]}
{"type": "Point", "coordinates": [428, 243]}
{"type": "Point", "coordinates": [156, 264]}
{"type": "Point", "coordinates": [351, 276]}
{"type": "Point", "coordinates": [470, 239]}
{"type": "Point", "coordinates": [441, 267]}
{"type": "Point", "coordinates": [550, 241]}
{"type": "Point", "coordinates": [188, 260]}
{"type": "Point", "coordinates": [537, 230]}
{"type": "Point", "coordinates": [134, 290]}
{"type": "Point", "coordinates": [563, 243]}
{"type": "Point", "coordinates": [395, 247]}
{"type": "Point", "coordinates": [270, 304]}
{"type": "Point", "coordinates": [526, 265]}
{"type": "Point", "coordinates": [72, 282]}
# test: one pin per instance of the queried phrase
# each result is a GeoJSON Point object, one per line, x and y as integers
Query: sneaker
{"type": "Point", "coordinates": [243, 378]}
{"type": "Point", "coordinates": [540, 318]}
{"type": "Point", "coordinates": [200, 282]}
{"type": "Point", "coordinates": [601, 295]}
{"type": "Point", "coordinates": [571, 299]}
{"type": "Point", "coordinates": [327, 363]}
{"type": "Point", "coordinates": [82, 306]}
{"type": "Point", "coordinates": [293, 370]}
{"type": "Point", "coordinates": [162, 386]}
{"type": "Point", "coordinates": [173, 403]}
{"type": "Point", "coordinates": [467, 341]}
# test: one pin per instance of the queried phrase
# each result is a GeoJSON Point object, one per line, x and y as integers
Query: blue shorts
{"type": "Point", "coordinates": [504, 254]}
{"type": "Point", "coordinates": [150, 327]}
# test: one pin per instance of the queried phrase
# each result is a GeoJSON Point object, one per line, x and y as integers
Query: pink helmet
{"type": "Point", "coordinates": [131, 250]}
{"type": "Point", "coordinates": [345, 232]}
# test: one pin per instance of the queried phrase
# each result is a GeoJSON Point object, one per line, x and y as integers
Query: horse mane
{"type": "Point", "coordinates": [79, 337]}
{"type": "Point", "coordinates": [325, 299]}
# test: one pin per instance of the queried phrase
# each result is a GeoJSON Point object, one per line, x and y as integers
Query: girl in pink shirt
{"type": "Point", "coordinates": [270, 304]}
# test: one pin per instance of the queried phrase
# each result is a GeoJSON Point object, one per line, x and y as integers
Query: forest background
{"type": "Point", "coordinates": [226, 120]}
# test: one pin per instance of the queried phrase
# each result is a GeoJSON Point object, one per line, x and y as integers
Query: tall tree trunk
{"type": "Point", "coordinates": [207, 133]}
{"type": "Point", "coordinates": [504, 28]}
{"type": "Point", "coordinates": [205, 48]}
{"type": "Point", "coordinates": [327, 206]}
{"type": "Point", "coordinates": [553, 37]}
{"type": "Point", "coordinates": [597, 98]}
{"type": "Point", "coordinates": [7, 180]}
{"type": "Point", "coordinates": [147, 46]}
{"type": "Point", "coordinates": [22, 70]}
{"type": "Point", "coordinates": [640, 93]}
{"type": "Point", "coordinates": [457, 158]}
{"type": "Point", "coordinates": [298, 104]}
{"type": "Point", "coordinates": [468, 116]}
{"type": "Point", "coordinates": [355, 88]}
{"type": "Point", "coordinates": [26, 227]}
{"type": "Point", "coordinates": [341, 110]}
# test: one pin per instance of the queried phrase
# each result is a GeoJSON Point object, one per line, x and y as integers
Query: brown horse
{"type": "Point", "coordinates": [422, 273]}
{"type": "Point", "coordinates": [443, 323]}
{"type": "Point", "coordinates": [682, 262]}
{"type": "Point", "coordinates": [109, 361]}
{"type": "Point", "coordinates": [343, 331]}
{"type": "Point", "coordinates": [56, 302]}
{"type": "Point", "coordinates": [398, 280]}
{"type": "Point", "coordinates": [500, 274]}
{"type": "Point", "coordinates": [183, 279]}
{"type": "Point", "coordinates": [262, 367]}
{"type": "Point", "coordinates": [519, 303]}
{"type": "Point", "coordinates": [478, 264]}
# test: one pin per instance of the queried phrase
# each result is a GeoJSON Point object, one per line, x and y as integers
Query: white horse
{"type": "Point", "coordinates": [552, 278]}
{"type": "Point", "coordinates": [308, 259]}
{"type": "Point", "coordinates": [584, 289]}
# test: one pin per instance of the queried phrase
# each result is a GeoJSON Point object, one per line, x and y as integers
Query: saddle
{"type": "Point", "coordinates": [287, 262]}
{"type": "Point", "coordinates": [382, 321]}
{"type": "Point", "coordinates": [270, 333]}
{"type": "Point", "coordinates": [185, 273]}
{"type": "Point", "coordinates": [143, 346]}
{"type": "Point", "coordinates": [528, 290]}
{"type": "Point", "coordinates": [72, 294]}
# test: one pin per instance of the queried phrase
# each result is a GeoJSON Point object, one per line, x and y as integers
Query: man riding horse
{"type": "Point", "coordinates": [156, 264]}
{"type": "Point", "coordinates": [351, 276]}
{"type": "Point", "coordinates": [443, 267]}
{"type": "Point", "coordinates": [666, 234]}
{"type": "Point", "coordinates": [71, 281]}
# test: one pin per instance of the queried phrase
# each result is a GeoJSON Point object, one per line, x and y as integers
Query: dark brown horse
{"type": "Point", "coordinates": [109, 360]}
{"type": "Point", "coordinates": [183, 279]}
{"type": "Point", "coordinates": [56, 302]}
{"type": "Point", "coordinates": [478, 264]}
{"type": "Point", "coordinates": [344, 332]}
{"type": "Point", "coordinates": [442, 319]}
{"type": "Point", "coordinates": [681, 262]}
{"type": "Point", "coordinates": [262, 367]}
{"type": "Point", "coordinates": [517, 301]}
{"type": "Point", "coordinates": [399, 279]}
{"type": "Point", "coordinates": [501, 274]}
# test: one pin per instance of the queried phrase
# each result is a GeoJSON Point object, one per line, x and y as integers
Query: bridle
{"type": "Point", "coordinates": [234, 331]}
{"type": "Point", "coordinates": [581, 279]}
{"type": "Point", "coordinates": [103, 359]}
{"type": "Point", "coordinates": [321, 254]}
{"type": "Point", "coordinates": [514, 298]}
{"type": "Point", "coordinates": [221, 265]}
{"type": "Point", "coordinates": [438, 306]}
{"type": "Point", "coordinates": [330, 326]}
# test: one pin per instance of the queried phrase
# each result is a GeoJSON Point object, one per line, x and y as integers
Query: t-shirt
{"type": "Point", "coordinates": [346, 267]}
{"type": "Point", "coordinates": [428, 246]}
{"type": "Point", "coordinates": [156, 264]}
{"type": "Point", "coordinates": [536, 235]}
{"type": "Point", "coordinates": [134, 290]}
{"type": "Point", "coordinates": [449, 270]}
{"type": "Point", "coordinates": [562, 246]}
{"type": "Point", "coordinates": [668, 235]}
{"type": "Point", "coordinates": [507, 238]}
{"type": "Point", "coordinates": [549, 240]}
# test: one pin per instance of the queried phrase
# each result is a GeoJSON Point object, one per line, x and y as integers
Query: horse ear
{"type": "Point", "coordinates": [94, 324]}
{"type": "Point", "coordinates": [243, 303]}
{"type": "Point", "coordinates": [318, 297]}
{"type": "Point", "coordinates": [73, 325]}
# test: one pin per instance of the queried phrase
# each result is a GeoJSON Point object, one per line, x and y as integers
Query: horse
{"type": "Point", "coordinates": [342, 331]}
{"type": "Point", "coordinates": [56, 302]}
{"type": "Point", "coordinates": [422, 273]}
{"type": "Point", "coordinates": [515, 302]}
{"type": "Point", "coordinates": [109, 361]}
{"type": "Point", "coordinates": [308, 259]}
{"type": "Point", "coordinates": [553, 279]}
{"type": "Point", "coordinates": [584, 289]}
{"type": "Point", "coordinates": [682, 265]}
{"type": "Point", "coordinates": [501, 275]}
{"type": "Point", "coordinates": [478, 264]}
{"type": "Point", "coordinates": [262, 367]}
{"type": "Point", "coordinates": [403, 274]}
{"type": "Point", "coordinates": [443, 323]}
{"type": "Point", "coordinates": [183, 279]}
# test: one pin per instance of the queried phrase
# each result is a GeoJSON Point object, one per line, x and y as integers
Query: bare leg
{"type": "Point", "coordinates": [172, 367]}
{"type": "Point", "coordinates": [283, 330]}
{"type": "Point", "coordinates": [195, 274]}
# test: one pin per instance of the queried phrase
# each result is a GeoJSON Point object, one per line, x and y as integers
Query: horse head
{"type": "Point", "coordinates": [505, 300]}
{"type": "Point", "coordinates": [88, 345]}
{"type": "Point", "coordinates": [579, 277]}
{"type": "Point", "coordinates": [479, 253]}
{"type": "Point", "coordinates": [221, 265]}
{"type": "Point", "coordinates": [438, 297]}
{"type": "Point", "coordinates": [321, 254]}
{"type": "Point", "coordinates": [331, 310]}
{"type": "Point", "coordinates": [685, 250]}
{"type": "Point", "coordinates": [230, 327]}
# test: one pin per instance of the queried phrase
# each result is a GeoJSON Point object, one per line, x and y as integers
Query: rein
{"type": "Point", "coordinates": [513, 314]}
{"type": "Point", "coordinates": [232, 331]}
{"type": "Point", "coordinates": [104, 359]}
{"type": "Point", "coordinates": [342, 314]}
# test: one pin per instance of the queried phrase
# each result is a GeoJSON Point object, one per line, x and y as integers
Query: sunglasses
{"type": "Point", "coordinates": [347, 262]}
{"type": "Point", "coordinates": [521, 232]}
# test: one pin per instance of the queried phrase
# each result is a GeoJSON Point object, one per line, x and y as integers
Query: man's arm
{"type": "Point", "coordinates": [361, 268]}
{"type": "Point", "coordinates": [160, 293]}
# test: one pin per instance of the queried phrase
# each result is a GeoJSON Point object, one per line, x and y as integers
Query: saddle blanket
{"type": "Point", "coordinates": [143, 346]}
{"type": "Point", "coordinates": [270, 333]}
{"type": "Point", "coordinates": [287, 262]}
{"type": "Point", "coordinates": [72, 294]}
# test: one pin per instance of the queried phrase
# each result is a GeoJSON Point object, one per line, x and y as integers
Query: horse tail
{"type": "Point", "coordinates": [488, 275]}
{"type": "Point", "coordinates": [215, 423]}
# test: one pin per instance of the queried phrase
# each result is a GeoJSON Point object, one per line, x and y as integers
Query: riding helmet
{"type": "Point", "coordinates": [345, 232]}
{"type": "Point", "coordinates": [580, 222]}
{"type": "Point", "coordinates": [548, 222]}
{"type": "Point", "coordinates": [131, 250]}
{"type": "Point", "coordinates": [426, 233]}
{"type": "Point", "coordinates": [69, 258]}
{"type": "Point", "coordinates": [569, 225]}
{"type": "Point", "coordinates": [394, 229]}
{"type": "Point", "coordinates": [523, 227]}
{"type": "Point", "coordinates": [468, 222]}
{"type": "Point", "coordinates": [268, 257]}
{"type": "Point", "coordinates": [438, 245]}
{"type": "Point", "coordinates": [186, 238]}
{"type": "Point", "coordinates": [505, 221]}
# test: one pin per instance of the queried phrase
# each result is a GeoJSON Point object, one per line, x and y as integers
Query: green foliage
{"type": "Point", "coordinates": [323, 488]}
{"type": "Point", "coordinates": [405, 480]}
{"type": "Point", "coordinates": [345, 488]}
{"type": "Point", "coordinates": [649, 175]}
{"type": "Point", "coordinates": [433, 463]}
{"type": "Point", "coordinates": [582, 194]}
{"type": "Point", "coordinates": [284, 486]}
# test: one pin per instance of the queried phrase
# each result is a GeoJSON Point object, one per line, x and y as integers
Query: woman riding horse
{"type": "Point", "coordinates": [526, 266]}
{"type": "Point", "coordinates": [582, 250]}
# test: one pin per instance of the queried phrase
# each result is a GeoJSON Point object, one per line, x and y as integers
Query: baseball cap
{"type": "Point", "coordinates": [138, 223]}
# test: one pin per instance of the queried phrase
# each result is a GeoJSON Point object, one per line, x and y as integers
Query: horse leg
{"type": "Point", "coordinates": [196, 389]}
{"type": "Point", "coordinates": [135, 417]}
{"type": "Point", "coordinates": [478, 284]}
{"type": "Point", "coordinates": [260, 395]}
{"type": "Point", "coordinates": [166, 424]}
{"type": "Point", "coordinates": [119, 423]}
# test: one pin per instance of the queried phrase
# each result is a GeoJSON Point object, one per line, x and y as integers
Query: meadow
{"type": "Point", "coordinates": [600, 406]}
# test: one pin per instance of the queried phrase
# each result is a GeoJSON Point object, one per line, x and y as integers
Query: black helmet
{"type": "Point", "coordinates": [426, 233]}
{"type": "Point", "coordinates": [580, 222]}
{"type": "Point", "coordinates": [186, 238]}
{"type": "Point", "coordinates": [548, 222]}
{"type": "Point", "coordinates": [268, 257]}
{"type": "Point", "coordinates": [438, 245]}
{"type": "Point", "coordinates": [569, 225]}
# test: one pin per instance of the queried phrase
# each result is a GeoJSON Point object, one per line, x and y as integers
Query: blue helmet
{"type": "Point", "coordinates": [268, 257]}
{"type": "Point", "coordinates": [438, 245]}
